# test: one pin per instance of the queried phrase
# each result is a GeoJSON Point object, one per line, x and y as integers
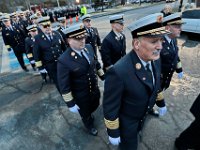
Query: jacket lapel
{"type": "Point", "coordinates": [140, 71]}
{"type": "Point", "coordinates": [76, 57]}
{"type": "Point", "coordinates": [118, 41]}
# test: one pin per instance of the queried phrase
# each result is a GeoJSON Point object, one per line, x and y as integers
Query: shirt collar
{"type": "Point", "coordinates": [168, 38]}
{"type": "Point", "coordinates": [77, 51]}
{"type": "Point", "coordinates": [117, 34]}
{"type": "Point", "coordinates": [144, 63]}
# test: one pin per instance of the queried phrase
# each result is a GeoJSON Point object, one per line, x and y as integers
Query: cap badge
{"type": "Point", "coordinates": [73, 54]}
{"type": "Point", "coordinates": [159, 19]}
{"type": "Point", "coordinates": [138, 66]}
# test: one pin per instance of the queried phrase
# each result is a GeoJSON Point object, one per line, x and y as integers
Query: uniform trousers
{"type": "Point", "coordinates": [19, 51]}
{"type": "Point", "coordinates": [51, 68]}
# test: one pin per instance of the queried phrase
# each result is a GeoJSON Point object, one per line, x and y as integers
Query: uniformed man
{"type": "Point", "coordinates": [131, 85]}
{"type": "Point", "coordinates": [93, 37]}
{"type": "Point", "coordinates": [63, 26]}
{"type": "Point", "coordinates": [29, 43]}
{"type": "Point", "coordinates": [63, 22]}
{"type": "Point", "coordinates": [170, 61]}
{"type": "Point", "coordinates": [14, 39]}
{"type": "Point", "coordinates": [23, 21]}
{"type": "Point", "coordinates": [169, 57]}
{"type": "Point", "coordinates": [189, 138]}
{"type": "Point", "coordinates": [48, 47]}
{"type": "Point", "coordinates": [114, 44]}
{"type": "Point", "coordinates": [77, 79]}
{"type": "Point", "coordinates": [33, 19]}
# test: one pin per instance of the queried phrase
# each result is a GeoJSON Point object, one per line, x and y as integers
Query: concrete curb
{"type": "Point", "coordinates": [122, 11]}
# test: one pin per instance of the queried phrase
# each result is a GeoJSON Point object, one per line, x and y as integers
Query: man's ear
{"type": "Point", "coordinates": [136, 43]}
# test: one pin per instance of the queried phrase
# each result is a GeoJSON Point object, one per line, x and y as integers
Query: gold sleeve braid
{"type": "Point", "coordinates": [112, 124]}
{"type": "Point", "coordinates": [160, 96]}
{"type": "Point", "coordinates": [30, 55]}
{"type": "Point", "coordinates": [67, 97]}
{"type": "Point", "coordinates": [179, 65]}
{"type": "Point", "coordinates": [38, 63]}
{"type": "Point", "coordinates": [8, 46]}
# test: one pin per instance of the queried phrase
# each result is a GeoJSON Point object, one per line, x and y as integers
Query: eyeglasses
{"type": "Point", "coordinates": [33, 30]}
{"type": "Point", "coordinates": [46, 25]}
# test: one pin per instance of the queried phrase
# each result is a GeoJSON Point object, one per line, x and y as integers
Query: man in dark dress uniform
{"type": "Point", "coordinates": [169, 57]}
{"type": "Point", "coordinates": [170, 61]}
{"type": "Point", "coordinates": [29, 43]}
{"type": "Point", "coordinates": [14, 39]}
{"type": "Point", "coordinates": [77, 79]}
{"type": "Point", "coordinates": [93, 37]}
{"type": "Point", "coordinates": [114, 44]}
{"type": "Point", "coordinates": [190, 137]}
{"type": "Point", "coordinates": [131, 85]}
{"type": "Point", "coordinates": [49, 45]}
{"type": "Point", "coordinates": [63, 26]}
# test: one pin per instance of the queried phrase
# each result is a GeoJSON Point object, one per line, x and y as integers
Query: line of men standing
{"type": "Point", "coordinates": [132, 81]}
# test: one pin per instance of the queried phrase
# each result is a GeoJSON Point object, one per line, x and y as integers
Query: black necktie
{"type": "Point", "coordinates": [172, 45]}
{"type": "Point", "coordinates": [149, 73]}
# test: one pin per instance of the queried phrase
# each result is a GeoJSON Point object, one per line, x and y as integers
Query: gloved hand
{"type": "Point", "coordinates": [32, 61]}
{"type": "Point", "coordinates": [162, 110]}
{"type": "Point", "coordinates": [114, 141]}
{"type": "Point", "coordinates": [74, 109]}
{"type": "Point", "coordinates": [43, 73]}
{"type": "Point", "coordinates": [180, 75]}
{"type": "Point", "coordinates": [10, 50]}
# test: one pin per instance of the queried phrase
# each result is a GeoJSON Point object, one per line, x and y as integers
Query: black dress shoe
{"type": "Point", "coordinates": [25, 69]}
{"type": "Point", "coordinates": [154, 113]}
{"type": "Point", "coordinates": [93, 131]}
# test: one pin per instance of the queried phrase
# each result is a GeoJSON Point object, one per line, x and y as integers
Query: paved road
{"type": "Point", "coordinates": [34, 117]}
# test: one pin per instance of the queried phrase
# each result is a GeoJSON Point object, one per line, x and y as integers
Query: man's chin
{"type": "Point", "coordinates": [156, 57]}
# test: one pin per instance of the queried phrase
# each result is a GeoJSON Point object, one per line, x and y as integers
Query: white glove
{"type": "Point", "coordinates": [162, 110]}
{"type": "Point", "coordinates": [114, 141]}
{"type": "Point", "coordinates": [180, 75]}
{"type": "Point", "coordinates": [43, 71]}
{"type": "Point", "coordinates": [74, 109]}
{"type": "Point", "coordinates": [32, 61]}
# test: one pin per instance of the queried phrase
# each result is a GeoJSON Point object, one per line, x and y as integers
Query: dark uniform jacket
{"type": "Point", "coordinates": [14, 38]}
{"type": "Point", "coordinates": [195, 109]}
{"type": "Point", "coordinates": [29, 43]}
{"type": "Point", "coordinates": [170, 62]}
{"type": "Point", "coordinates": [112, 49]}
{"type": "Point", "coordinates": [93, 38]}
{"type": "Point", "coordinates": [78, 81]}
{"type": "Point", "coordinates": [128, 97]}
{"type": "Point", "coordinates": [46, 51]}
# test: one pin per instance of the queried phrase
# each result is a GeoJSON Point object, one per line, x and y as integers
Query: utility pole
{"type": "Point", "coordinates": [58, 3]}
{"type": "Point", "coordinates": [180, 6]}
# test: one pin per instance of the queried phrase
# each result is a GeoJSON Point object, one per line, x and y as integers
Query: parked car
{"type": "Point", "coordinates": [191, 18]}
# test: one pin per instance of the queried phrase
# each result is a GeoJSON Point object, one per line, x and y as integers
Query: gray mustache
{"type": "Point", "coordinates": [156, 52]}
